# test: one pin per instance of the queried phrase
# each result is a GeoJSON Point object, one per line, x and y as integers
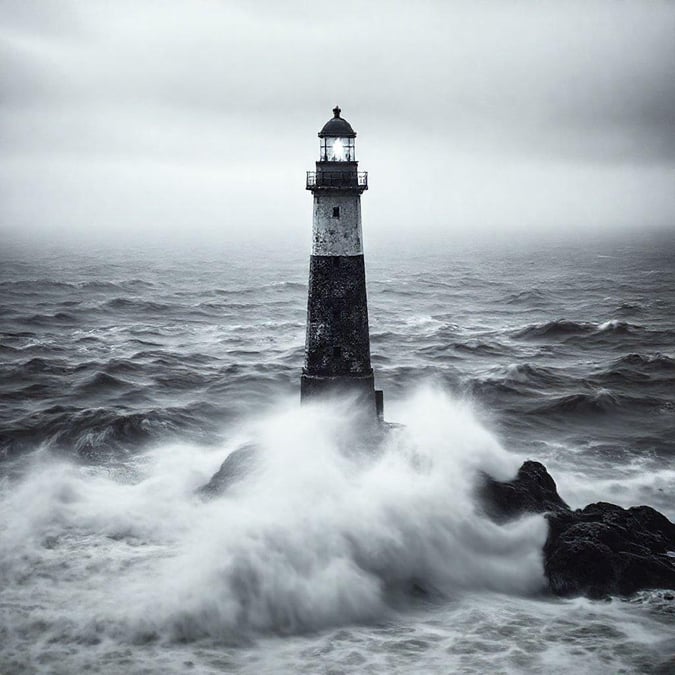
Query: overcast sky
{"type": "Point", "coordinates": [196, 120]}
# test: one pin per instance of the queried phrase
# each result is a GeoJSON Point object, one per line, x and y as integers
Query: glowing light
{"type": "Point", "coordinates": [338, 150]}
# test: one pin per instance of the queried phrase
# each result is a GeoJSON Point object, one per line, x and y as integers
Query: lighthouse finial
{"type": "Point", "coordinates": [337, 111]}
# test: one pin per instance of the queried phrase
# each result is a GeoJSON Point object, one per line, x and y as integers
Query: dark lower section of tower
{"type": "Point", "coordinates": [337, 348]}
{"type": "Point", "coordinates": [359, 387]}
{"type": "Point", "coordinates": [337, 317]}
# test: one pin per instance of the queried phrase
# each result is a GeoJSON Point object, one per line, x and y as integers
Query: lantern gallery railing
{"type": "Point", "coordinates": [337, 179]}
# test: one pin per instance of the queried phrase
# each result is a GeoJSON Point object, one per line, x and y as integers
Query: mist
{"type": "Point", "coordinates": [195, 122]}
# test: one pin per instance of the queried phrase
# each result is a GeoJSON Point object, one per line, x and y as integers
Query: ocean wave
{"type": "Point", "coordinates": [481, 347]}
{"type": "Point", "coordinates": [528, 297]}
{"type": "Point", "coordinates": [439, 351]}
{"type": "Point", "coordinates": [100, 382]}
{"type": "Point", "coordinates": [158, 357]}
{"type": "Point", "coordinates": [387, 521]}
{"type": "Point", "coordinates": [63, 366]}
{"type": "Point", "coordinates": [617, 327]}
{"type": "Point", "coordinates": [617, 376]}
{"type": "Point", "coordinates": [136, 304]}
{"type": "Point", "coordinates": [428, 322]}
{"type": "Point", "coordinates": [41, 365]}
{"type": "Point", "coordinates": [493, 392]}
{"type": "Point", "coordinates": [6, 311]}
{"type": "Point", "coordinates": [182, 380]}
{"type": "Point", "coordinates": [137, 283]}
{"type": "Point", "coordinates": [630, 308]}
{"type": "Point", "coordinates": [293, 285]}
{"type": "Point", "coordinates": [557, 328]}
{"type": "Point", "coordinates": [401, 291]}
{"type": "Point", "coordinates": [647, 362]}
{"type": "Point", "coordinates": [581, 403]}
{"type": "Point", "coordinates": [565, 328]}
{"type": "Point", "coordinates": [50, 319]}
{"type": "Point", "coordinates": [36, 285]}
{"type": "Point", "coordinates": [48, 286]}
{"type": "Point", "coordinates": [259, 289]}
{"type": "Point", "coordinates": [99, 286]}
{"type": "Point", "coordinates": [640, 369]}
{"type": "Point", "coordinates": [126, 284]}
{"type": "Point", "coordinates": [98, 433]}
{"type": "Point", "coordinates": [529, 374]}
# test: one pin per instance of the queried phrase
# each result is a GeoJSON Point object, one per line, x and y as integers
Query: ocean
{"type": "Point", "coordinates": [128, 376]}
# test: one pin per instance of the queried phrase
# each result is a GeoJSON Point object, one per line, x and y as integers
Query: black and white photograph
{"type": "Point", "coordinates": [337, 338]}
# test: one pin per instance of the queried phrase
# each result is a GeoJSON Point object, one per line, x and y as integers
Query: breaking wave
{"type": "Point", "coordinates": [617, 327]}
{"type": "Point", "coordinates": [557, 328]}
{"type": "Point", "coordinates": [565, 328]}
{"type": "Point", "coordinates": [602, 401]}
{"type": "Point", "coordinates": [653, 363]}
{"type": "Point", "coordinates": [325, 530]}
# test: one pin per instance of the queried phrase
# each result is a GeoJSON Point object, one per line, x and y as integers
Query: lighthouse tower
{"type": "Point", "coordinates": [337, 346]}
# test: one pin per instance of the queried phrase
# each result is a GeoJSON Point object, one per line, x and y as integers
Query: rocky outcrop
{"type": "Point", "coordinates": [531, 491]}
{"type": "Point", "coordinates": [236, 466]}
{"type": "Point", "coordinates": [596, 551]}
{"type": "Point", "coordinates": [604, 549]}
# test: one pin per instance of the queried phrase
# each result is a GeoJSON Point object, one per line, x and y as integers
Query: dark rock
{"type": "Point", "coordinates": [604, 549]}
{"type": "Point", "coordinates": [237, 465]}
{"type": "Point", "coordinates": [596, 551]}
{"type": "Point", "coordinates": [531, 491]}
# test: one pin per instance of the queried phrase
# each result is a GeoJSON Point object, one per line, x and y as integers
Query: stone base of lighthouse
{"type": "Point", "coordinates": [361, 386]}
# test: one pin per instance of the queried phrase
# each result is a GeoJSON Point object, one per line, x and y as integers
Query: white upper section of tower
{"type": "Point", "coordinates": [337, 225]}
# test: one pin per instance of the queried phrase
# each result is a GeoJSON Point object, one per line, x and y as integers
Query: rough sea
{"type": "Point", "coordinates": [128, 376]}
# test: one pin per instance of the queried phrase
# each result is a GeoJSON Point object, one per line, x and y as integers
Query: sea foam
{"type": "Point", "coordinates": [325, 531]}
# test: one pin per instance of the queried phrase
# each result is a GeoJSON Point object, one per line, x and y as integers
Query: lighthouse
{"type": "Point", "coordinates": [337, 344]}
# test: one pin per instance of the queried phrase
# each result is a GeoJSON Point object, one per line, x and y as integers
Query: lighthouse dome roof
{"type": "Point", "coordinates": [337, 126]}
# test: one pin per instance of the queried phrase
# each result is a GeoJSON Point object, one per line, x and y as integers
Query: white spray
{"type": "Point", "coordinates": [319, 533]}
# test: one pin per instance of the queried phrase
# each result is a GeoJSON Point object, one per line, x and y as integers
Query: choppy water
{"type": "Point", "coordinates": [126, 379]}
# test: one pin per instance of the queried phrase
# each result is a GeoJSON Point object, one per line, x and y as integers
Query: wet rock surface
{"type": "Point", "coordinates": [602, 549]}
{"type": "Point", "coordinates": [533, 490]}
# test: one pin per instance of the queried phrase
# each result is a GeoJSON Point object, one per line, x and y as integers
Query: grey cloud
{"type": "Point", "coordinates": [478, 96]}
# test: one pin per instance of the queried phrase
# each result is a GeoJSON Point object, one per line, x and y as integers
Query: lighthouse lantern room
{"type": "Point", "coordinates": [337, 140]}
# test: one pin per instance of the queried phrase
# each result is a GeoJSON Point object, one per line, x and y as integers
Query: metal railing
{"type": "Point", "coordinates": [337, 179]}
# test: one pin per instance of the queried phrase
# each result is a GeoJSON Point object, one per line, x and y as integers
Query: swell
{"type": "Point", "coordinates": [531, 374]}
{"type": "Point", "coordinates": [638, 370]}
{"type": "Point", "coordinates": [98, 434]}
{"type": "Point", "coordinates": [601, 402]}
{"type": "Point", "coordinates": [566, 328]}
{"type": "Point", "coordinates": [137, 305]}
{"type": "Point", "coordinates": [647, 363]}
{"type": "Point", "coordinates": [49, 320]}
{"type": "Point", "coordinates": [36, 286]}
{"type": "Point", "coordinates": [580, 403]}
{"type": "Point", "coordinates": [533, 296]}
{"type": "Point", "coordinates": [100, 408]}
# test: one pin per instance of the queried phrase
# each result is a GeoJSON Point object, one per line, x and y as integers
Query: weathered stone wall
{"type": "Point", "coordinates": [338, 341]}
{"type": "Point", "coordinates": [337, 236]}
